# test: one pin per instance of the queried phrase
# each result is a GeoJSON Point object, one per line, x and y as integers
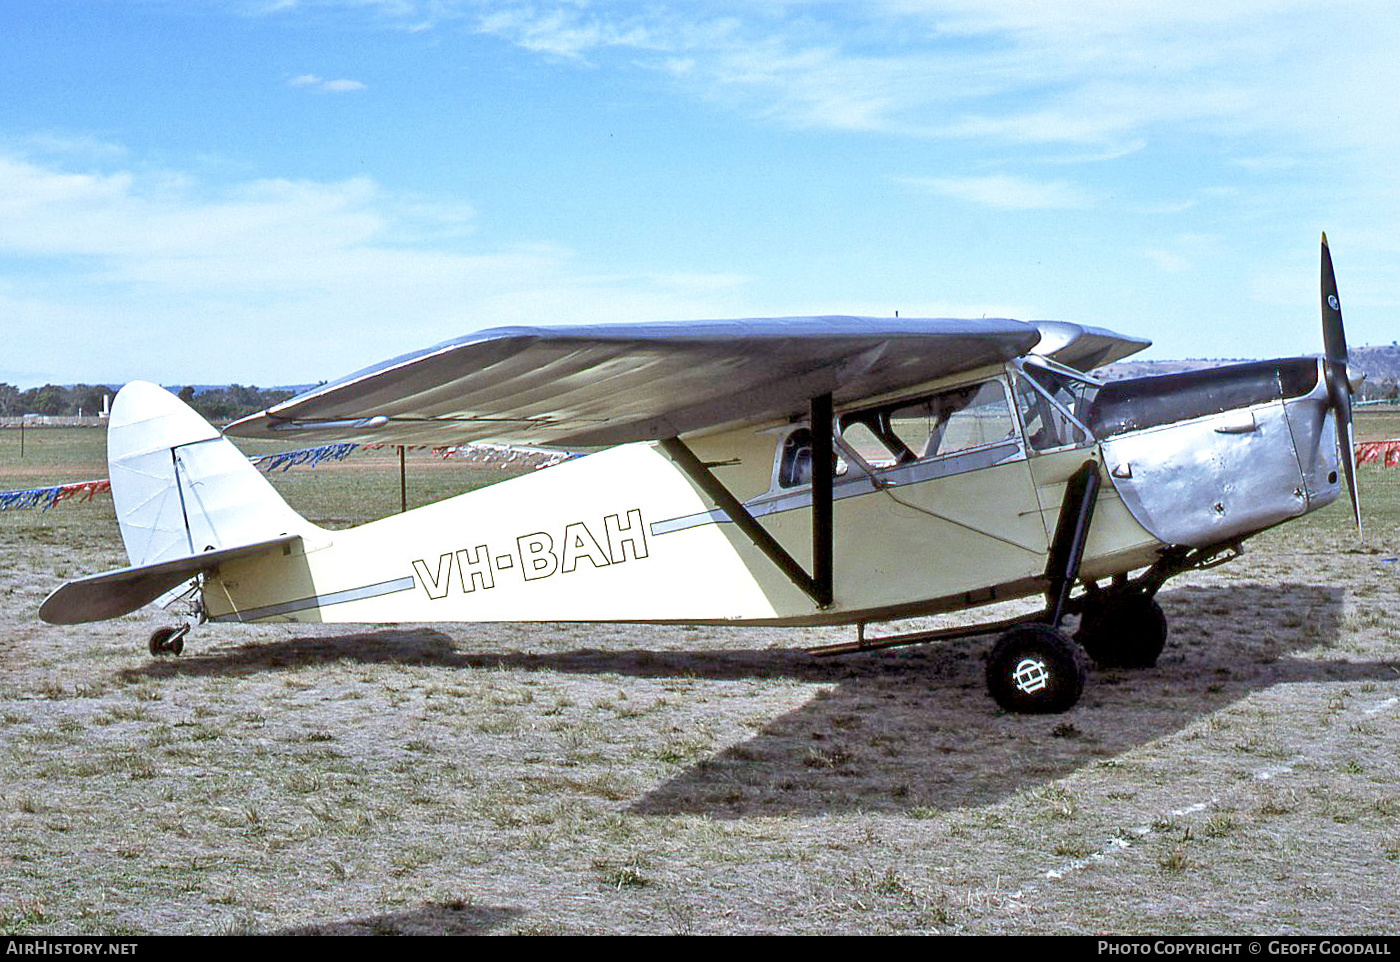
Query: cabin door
{"type": "Point", "coordinates": [946, 507]}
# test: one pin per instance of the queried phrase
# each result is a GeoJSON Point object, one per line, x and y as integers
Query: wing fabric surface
{"type": "Point", "coordinates": [1082, 347]}
{"type": "Point", "coordinates": [610, 384]}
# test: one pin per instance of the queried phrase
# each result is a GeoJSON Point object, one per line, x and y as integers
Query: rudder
{"type": "Point", "coordinates": [179, 487]}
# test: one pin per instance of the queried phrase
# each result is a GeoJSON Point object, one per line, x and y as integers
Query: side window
{"type": "Point", "coordinates": [941, 424]}
{"type": "Point", "coordinates": [953, 421]}
{"type": "Point", "coordinates": [1046, 426]}
{"type": "Point", "coordinates": [861, 437]}
{"type": "Point", "coordinates": [795, 460]}
{"type": "Point", "coordinates": [795, 466]}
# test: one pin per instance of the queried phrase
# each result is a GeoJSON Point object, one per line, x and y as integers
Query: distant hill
{"type": "Point", "coordinates": [1379, 363]}
{"type": "Point", "coordinates": [1120, 370]}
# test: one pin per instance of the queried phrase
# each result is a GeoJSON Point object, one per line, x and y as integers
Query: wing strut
{"type": "Point", "coordinates": [823, 481]}
{"type": "Point", "coordinates": [819, 584]}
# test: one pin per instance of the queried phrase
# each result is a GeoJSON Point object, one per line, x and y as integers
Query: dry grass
{"type": "Point", "coordinates": [566, 778]}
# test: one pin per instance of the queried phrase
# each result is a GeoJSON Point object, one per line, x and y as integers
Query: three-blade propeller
{"type": "Point", "coordinates": [1334, 341]}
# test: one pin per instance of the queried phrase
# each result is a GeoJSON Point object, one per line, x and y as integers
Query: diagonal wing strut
{"type": "Point", "coordinates": [819, 584]}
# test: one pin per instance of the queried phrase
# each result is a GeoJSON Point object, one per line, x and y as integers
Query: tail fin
{"type": "Point", "coordinates": [186, 500]}
{"type": "Point", "coordinates": [180, 488]}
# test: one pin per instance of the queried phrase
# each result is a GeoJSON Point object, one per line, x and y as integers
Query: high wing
{"type": "Point", "coordinates": [592, 386]}
{"type": "Point", "coordinates": [1082, 347]}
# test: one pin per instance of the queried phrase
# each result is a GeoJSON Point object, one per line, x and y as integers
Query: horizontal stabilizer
{"type": "Point", "coordinates": [115, 593]}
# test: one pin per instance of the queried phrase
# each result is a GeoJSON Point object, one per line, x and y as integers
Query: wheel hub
{"type": "Point", "coordinates": [1031, 675]}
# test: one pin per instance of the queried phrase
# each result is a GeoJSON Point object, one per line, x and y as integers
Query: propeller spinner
{"type": "Point", "coordinates": [1334, 341]}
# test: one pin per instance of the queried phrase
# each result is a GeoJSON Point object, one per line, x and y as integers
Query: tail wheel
{"type": "Point", "coordinates": [1035, 669]}
{"type": "Point", "coordinates": [1127, 633]}
{"type": "Point", "coordinates": [169, 640]}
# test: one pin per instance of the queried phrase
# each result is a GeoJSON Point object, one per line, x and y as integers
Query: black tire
{"type": "Point", "coordinates": [161, 643]}
{"type": "Point", "coordinates": [1034, 669]}
{"type": "Point", "coordinates": [1125, 633]}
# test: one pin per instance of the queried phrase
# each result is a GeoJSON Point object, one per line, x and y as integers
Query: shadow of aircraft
{"type": "Point", "coordinates": [932, 741]}
{"type": "Point", "coordinates": [902, 729]}
{"type": "Point", "coordinates": [447, 918]}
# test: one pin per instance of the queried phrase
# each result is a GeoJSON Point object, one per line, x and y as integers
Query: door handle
{"type": "Point", "coordinates": [1241, 426]}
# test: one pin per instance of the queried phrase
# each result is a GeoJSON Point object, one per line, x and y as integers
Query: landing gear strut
{"type": "Point", "coordinates": [1122, 626]}
{"type": "Point", "coordinates": [1036, 668]}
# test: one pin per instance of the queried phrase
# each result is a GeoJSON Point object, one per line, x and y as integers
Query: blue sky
{"type": "Point", "coordinates": [280, 192]}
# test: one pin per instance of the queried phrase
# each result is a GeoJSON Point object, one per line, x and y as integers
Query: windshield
{"type": "Point", "coordinates": [1046, 425]}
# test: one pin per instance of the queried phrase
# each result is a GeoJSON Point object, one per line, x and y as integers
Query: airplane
{"type": "Point", "coordinates": [784, 471]}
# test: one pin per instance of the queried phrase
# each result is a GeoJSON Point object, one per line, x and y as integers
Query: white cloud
{"type": "Point", "coordinates": [1004, 192]}
{"type": "Point", "coordinates": [132, 273]}
{"type": "Point", "coordinates": [1097, 73]}
{"type": "Point", "coordinates": [565, 32]}
{"type": "Point", "coordinates": [69, 146]}
{"type": "Point", "coordinates": [1168, 262]}
{"type": "Point", "coordinates": [1084, 72]}
{"type": "Point", "coordinates": [313, 82]}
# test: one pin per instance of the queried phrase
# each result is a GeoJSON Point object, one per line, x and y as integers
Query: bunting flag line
{"type": "Point", "coordinates": [501, 455]}
{"type": "Point", "coordinates": [1385, 452]}
{"type": "Point", "coordinates": [504, 455]}
{"type": "Point", "coordinates": [50, 496]}
{"type": "Point", "coordinates": [486, 452]}
{"type": "Point", "coordinates": [306, 456]}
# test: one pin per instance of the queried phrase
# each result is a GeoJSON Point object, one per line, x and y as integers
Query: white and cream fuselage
{"type": "Point", "coordinates": [942, 523]}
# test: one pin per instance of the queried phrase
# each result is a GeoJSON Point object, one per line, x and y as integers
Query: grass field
{"type": "Point", "coordinates": [604, 779]}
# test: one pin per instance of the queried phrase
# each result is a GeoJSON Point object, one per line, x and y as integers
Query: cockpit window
{"type": "Point", "coordinates": [907, 431]}
{"type": "Point", "coordinates": [934, 426]}
{"type": "Point", "coordinates": [861, 438]}
{"type": "Point", "coordinates": [1075, 395]}
{"type": "Point", "coordinates": [954, 420]}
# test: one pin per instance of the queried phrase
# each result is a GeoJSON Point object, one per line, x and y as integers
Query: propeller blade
{"type": "Point", "coordinates": [1341, 403]}
{"type": "Point", "coordinates": [1334, 337]}
{"type": "Point", "coordinates": [1334, 343]}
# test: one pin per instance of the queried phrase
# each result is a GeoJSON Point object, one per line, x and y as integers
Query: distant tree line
{"type": "Point", "coordinates": [1378, 391]}
{"type": "Point", "coordinates": [216, 404]}
{"type": "Point", "coordinates": [233, 401]}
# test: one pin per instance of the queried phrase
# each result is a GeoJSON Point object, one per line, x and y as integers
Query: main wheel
{"type": "Point", "coordinates": [1036, 669]}
{"type": "Point", "coordinates": [1128, 632]}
